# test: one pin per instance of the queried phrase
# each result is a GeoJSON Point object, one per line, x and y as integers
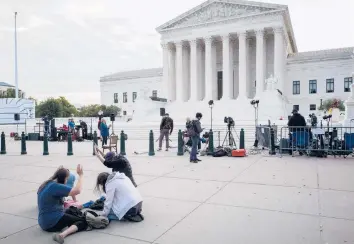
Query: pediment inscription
{"type": "Point", "coordinates": [218, 11]}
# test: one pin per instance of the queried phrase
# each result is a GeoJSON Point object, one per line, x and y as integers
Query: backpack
{"type": "Point", "coordinates": [167, 124]}
{"type": "Point", "coordinates": [95, 221]}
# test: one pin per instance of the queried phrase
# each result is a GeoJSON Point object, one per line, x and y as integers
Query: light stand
{"type": "Point", "coordinates": [255, 104]}
{"type": "Point", "coordinates": [211, 105]}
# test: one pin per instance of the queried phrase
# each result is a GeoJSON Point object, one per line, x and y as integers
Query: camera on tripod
{"type": "Point", "coordinates": [313, 118]}
{"type": "Point", "coordinates": [327, 117]}
{"type": "Point", "coordinates": [254, 102]}
{"type": "Point", "coordinates": [229, 121]}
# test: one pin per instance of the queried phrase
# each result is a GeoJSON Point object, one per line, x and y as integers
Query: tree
{"type": "Point", "coordinates": [68, 109]}
{"type": "Point", "coordinates": [35, 100]}
{"type": "Point", "coordinates": [50, 107]}
{"type": "Point", "coordinates": [93, 109]}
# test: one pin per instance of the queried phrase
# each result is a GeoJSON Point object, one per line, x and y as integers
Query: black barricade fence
{"type": "Point", "coordinates": [317, 141]}
{"type": "Point", "coordinates": [263, 135]}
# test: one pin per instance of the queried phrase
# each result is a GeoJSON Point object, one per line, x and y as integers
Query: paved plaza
{"type": "Point", "coordinates": [258, 199]}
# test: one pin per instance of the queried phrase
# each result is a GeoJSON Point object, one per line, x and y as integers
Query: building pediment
{"type": "Point", "coordinates": [214, 11]}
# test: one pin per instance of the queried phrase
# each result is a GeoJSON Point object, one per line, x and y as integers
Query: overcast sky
{"type": "Point", "coordinates": [64, 46]}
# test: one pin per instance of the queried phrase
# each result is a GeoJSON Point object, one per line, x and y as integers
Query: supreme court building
{"type": "Point", "coordinates": [227, 50]}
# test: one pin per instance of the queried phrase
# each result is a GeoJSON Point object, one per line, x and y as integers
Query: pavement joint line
{"type": "Point", "coordinates": [319, 203]}
{"type": "Point", "coordinates": [204, 202]}
{"type": "Point", "coordinates": [279, 211]}
{"type": "Point", "coordinates": [24, 193]}
{"type": "Point", "coordinates": [25, 217]}
{"type": "Point", "coordinates": [126, 237]}
{"type": "Point", "coordinates": [12, 234]}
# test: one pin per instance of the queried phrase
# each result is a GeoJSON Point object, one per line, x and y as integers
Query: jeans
{"type": "Point", "coordinates": [104, 140]}
{"type": "Point", "coordinates": [195, 141]}
{"type": "Point", "coordinates": [132, 212]}
{"type": "Point", "coordinates": [164, 133]}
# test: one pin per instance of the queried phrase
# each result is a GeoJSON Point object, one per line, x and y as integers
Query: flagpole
{"type": "Point", "coordinates": [16, 73]}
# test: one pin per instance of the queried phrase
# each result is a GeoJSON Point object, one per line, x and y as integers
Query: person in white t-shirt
{"type": "Point", "coordinates": [123, 200]}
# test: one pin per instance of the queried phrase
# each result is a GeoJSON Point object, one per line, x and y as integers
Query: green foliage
{"type": "Point", "coordinates": [93, 109]}
{"type": "Point", "coordinates": [332, 103]}
{"type": "Point", "coordinates": [68, 109]}
{"type": "Point", "coordinates": [50, 107]}
{"type": "Point", "coordinates": [10, 93]}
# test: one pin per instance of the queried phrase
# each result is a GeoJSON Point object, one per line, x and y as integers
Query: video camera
{"type": "Point", "coordinates": [314, 121]}
{"type": "Point", "coordinates": [327, 117]}
{"type": "Point", "coordinates": [229, 121]}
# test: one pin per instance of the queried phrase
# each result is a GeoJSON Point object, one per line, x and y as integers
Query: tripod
{"type": "Point", "coordinates": [112, 128]}
{"type": "Point", "coordinates": [230, 137]}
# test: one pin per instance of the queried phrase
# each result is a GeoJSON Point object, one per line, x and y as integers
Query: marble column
{"type": "Point", "coordinates": [179, 72]}
{"type": "Point", "coordinates": [259, 62]}
{"type": "Point", "coordinates": [208, 69]}
{"type": "Point", "coordinates": [227, 66]}
{"type": "Point", "coordinates": [242, 94]}
{"type": "Point", "coordinates": [194, 71]}
{"type": "Point", "coordinates": [172, 74]}
{"type": "Point", "coordinates": [166, 70]}
{"type": "Point", "coordinates": [279, 57]}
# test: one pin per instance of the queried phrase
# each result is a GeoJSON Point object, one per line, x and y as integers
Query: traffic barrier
{"type": "Point", "coordinates": [316, 141]}
{"type": "Point", "coordinates": [242, 139]}
{"type": "Point", "coordinates": [70, 145]}
{"type": "Point", "coordinates": [122, 143]}
{"type": "Point", "coordinates": [3, 143]}
{"type": "Point", "coordinates": [23, 144]}
{"type": "Point", "coordinates": [211, 142]}
{"type": "Point", "coordinates": [45, 145]}
{"type": "Point", "coordinates": [95, 142]}
{"type": "Point", "coordinates": [151, 144]}
{"type": "Point", "coordinates": [180, 151]}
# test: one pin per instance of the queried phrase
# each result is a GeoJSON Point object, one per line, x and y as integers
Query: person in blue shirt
{"type": "Point", "coordinates": [104, 132]}
{"type": "Point", "coordinates": [71, 125]}
{"type": "Point", "coordinates": [50, 197]}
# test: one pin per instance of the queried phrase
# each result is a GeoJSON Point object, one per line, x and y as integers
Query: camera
{"type": "Point", "coordinates": [254, 102]}
{"type": "Point", "coordinates": [313, 120]}
{"type": "Point", "coordinates": [327, 117]}
{"type": "Point", "coordinates": [229, 121]}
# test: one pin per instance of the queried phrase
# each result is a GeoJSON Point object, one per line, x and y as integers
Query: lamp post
{"type": "Point", "coordinates": [211, 105]}
{"type": "Point", "coordinates": [16, 73]}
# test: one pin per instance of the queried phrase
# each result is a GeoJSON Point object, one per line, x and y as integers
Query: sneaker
{"type": "Point", "coordinates": [159, 149]}
{"type": "Point", "coordinates": [199, 160]}
{"type": "Point", "coordinates": [166, 149]}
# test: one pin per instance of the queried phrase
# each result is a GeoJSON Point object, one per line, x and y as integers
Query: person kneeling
{"type": "Point", "coordinates": [123, 200]}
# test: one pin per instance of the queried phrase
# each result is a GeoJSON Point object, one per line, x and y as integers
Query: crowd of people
{"type": "Point", "coordinates": [122, 200]}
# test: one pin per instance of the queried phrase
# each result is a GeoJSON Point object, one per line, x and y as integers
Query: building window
{"type": "Point", "coordinates": [330, 85]}
{"type": "Point", "coordinates": [125, 97]}
{"type": "Point", "coordinates": [348, 81]}
{"type": "Point", "coordinates": [124, 112]}
{"type": "Point", "coordinates": [154, 93]}
{"type": "Point", "coordinates": [115, 97]}
{"type": "Point", "coordinates": [312, 107]}
{"type": "Point", "coordinates": [296, 87]}
{"type": "Point", "coordinates": [313, 86]}
{"type": "Point", "coordinates": [134, 96]}
{"type": "Point", "coordinates": [296, 107]}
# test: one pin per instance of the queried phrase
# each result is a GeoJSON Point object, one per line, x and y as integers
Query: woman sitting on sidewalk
{"type": "Point", "coordinates": [118, 163]}
{"type": "Point", "coordinates": [123, 200]}
{"type": "Point", "coordinates": [52, 217]}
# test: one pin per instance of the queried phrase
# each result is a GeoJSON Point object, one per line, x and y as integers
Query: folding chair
{"type": "Point", "coordinates": [113, 143]}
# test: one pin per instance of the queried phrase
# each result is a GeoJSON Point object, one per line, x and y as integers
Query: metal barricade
{"type": "Point", "coordinates": [316, 141]}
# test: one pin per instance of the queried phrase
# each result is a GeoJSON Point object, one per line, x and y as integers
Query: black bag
{"type": "Point", "coordinates": [220, 153]}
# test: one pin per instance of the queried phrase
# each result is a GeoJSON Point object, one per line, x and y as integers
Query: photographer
{"type": "Point", "coordinates": [84, 129]}
{"type": "Point", "coordinates": [194, 132]}
{"type": "Point", "coordinates": [296, 120]}
{"type": "Point", "coordinates": [166, 128]}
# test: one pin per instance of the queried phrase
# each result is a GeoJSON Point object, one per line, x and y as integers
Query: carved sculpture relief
{"type": "Point", "coordinates": [218, 11]}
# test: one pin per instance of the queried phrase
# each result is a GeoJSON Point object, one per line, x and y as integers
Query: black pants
{"type": "Point", "coordinates": [68, 220]}
{"type": "Point", "coordinates": [104, 140]}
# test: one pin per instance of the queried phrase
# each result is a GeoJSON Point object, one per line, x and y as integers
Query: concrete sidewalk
{"type": "Point", "coordinates": [258, 199]}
